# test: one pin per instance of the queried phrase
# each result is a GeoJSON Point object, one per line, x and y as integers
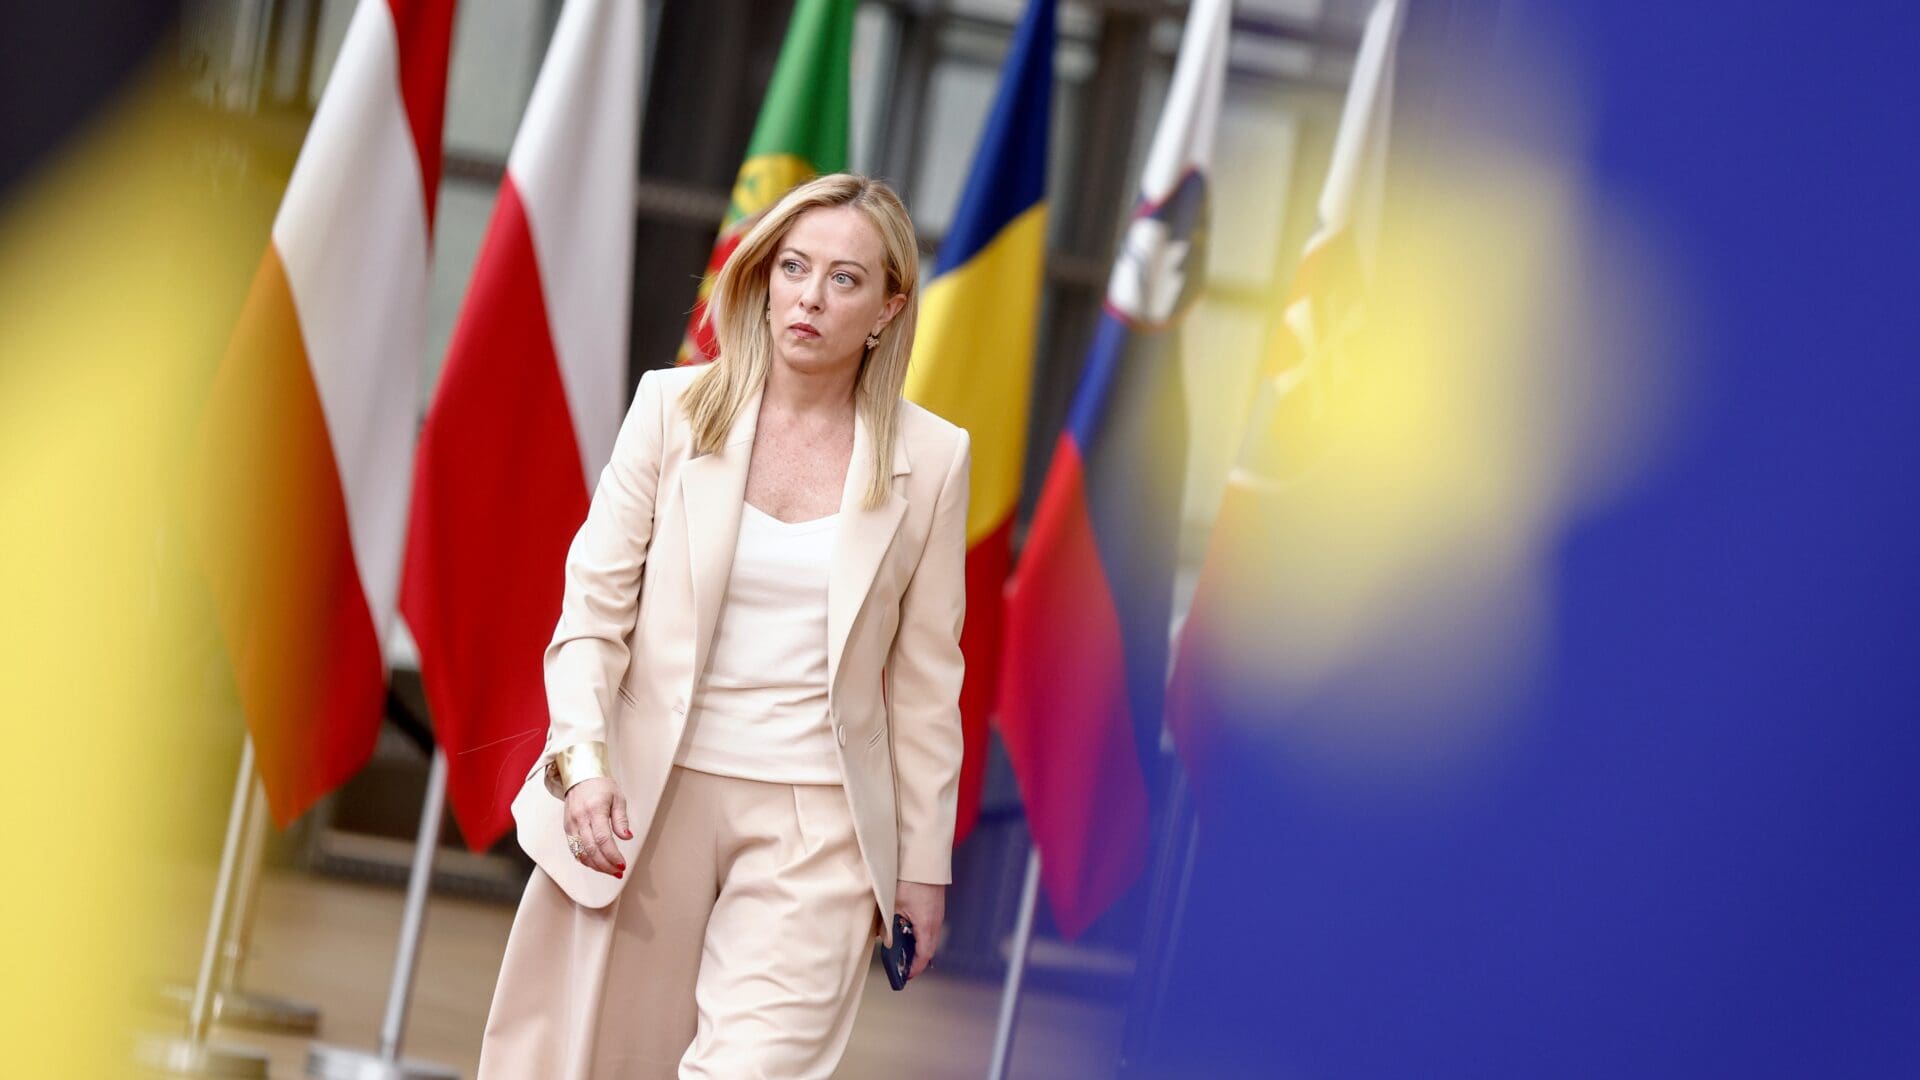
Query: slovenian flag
{"type": "Point", "coordinates": [1089, 609]}
{"type": "Point", "coordinates": [801, 133]}
{"type": "Point", "coordinates": [525, 414]}
{"type": "Point", "coordinates": [978, 371]}
{"type": "Point", "coordinates": [307, 444]}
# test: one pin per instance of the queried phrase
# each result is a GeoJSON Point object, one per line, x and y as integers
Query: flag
{"type": "Point", "coordinates": [525, 413]}
{"type": "Point", "coordinates": [978, 372]}
{"type": "Point", "coordinates": [1089, 607]}
{"type": "Point", "coordinates": [307, 445]}
{"type": "Point", "coordinates": [801, 134]}
{"type": "Point", "coordinates": [123, 259]}
{"type": "Point", "coordinates": [1218, 668]}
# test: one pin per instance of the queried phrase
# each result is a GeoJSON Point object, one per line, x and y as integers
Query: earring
{"type": "Point", "coordinates": [873, 340]}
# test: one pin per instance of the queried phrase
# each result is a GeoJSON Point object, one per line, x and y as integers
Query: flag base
{"type": "Point", "coordinates": [258, 1012]}
{"type": "Point", "coordinates": [189, 1057]}
{"type": "Point", "coordinates": [345, 1063]}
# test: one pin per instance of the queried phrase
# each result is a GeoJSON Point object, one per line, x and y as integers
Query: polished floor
{"type": "Point", "coordinates": [330, 944]}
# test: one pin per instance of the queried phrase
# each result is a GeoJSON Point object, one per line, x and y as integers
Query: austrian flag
{"type": "Point", "coordinates": [306, 447]}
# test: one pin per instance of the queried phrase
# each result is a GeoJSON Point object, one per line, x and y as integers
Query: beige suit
{"type": "Point", "coordinates": [644, 581]}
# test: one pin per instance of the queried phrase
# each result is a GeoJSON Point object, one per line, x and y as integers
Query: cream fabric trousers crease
{"type": "Point", "coordinates": [738, 948]}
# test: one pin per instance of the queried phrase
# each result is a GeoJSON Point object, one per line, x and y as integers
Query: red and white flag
{"type": "Point", "coordinates": [526, 411]}
{"type": "Point", "coordinates": [307, 445]}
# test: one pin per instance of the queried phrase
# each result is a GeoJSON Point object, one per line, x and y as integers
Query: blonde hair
{"type": "Point", "coordinates": [737, 307]}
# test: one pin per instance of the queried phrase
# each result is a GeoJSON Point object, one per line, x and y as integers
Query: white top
{"type": "Point", "coordinates": [761, 711]}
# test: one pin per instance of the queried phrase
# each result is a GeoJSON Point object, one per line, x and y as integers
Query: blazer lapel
{"type": "Point", "coordinates": [713, 488]}
{"type": "Point", "coordinates": [862, 541]}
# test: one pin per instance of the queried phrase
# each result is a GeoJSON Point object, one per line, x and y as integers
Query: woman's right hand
{"type": "Point", "coordinates": [596, 812]}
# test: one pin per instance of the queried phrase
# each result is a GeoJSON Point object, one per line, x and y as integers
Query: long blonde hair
{"type": "Point", "coordinates": [737, 307]}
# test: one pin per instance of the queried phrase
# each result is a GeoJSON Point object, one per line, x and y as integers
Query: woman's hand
{"type": "Point", "coordinates": [925, 906]}
{"type": "Point", "coordinates": [596, 812]}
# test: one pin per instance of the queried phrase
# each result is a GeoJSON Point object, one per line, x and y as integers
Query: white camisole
{"type": "Point", "coordinates": [761, 711]}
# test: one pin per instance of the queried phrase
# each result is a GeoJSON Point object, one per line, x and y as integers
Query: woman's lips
{"type": "Point", "coordinates": [805, 330]}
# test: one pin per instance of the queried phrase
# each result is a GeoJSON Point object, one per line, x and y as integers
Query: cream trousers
{"type": "Point", "coordinates": [739, 947]}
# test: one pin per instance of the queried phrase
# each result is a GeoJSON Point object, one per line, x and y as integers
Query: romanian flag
{"type": "Point", "coordinates": [1225, 644]}
{"type": "Point", "coordinates": [526, 412]}
{"type": "Point", "coordinates": [307, 445]}
{"type": "Point", "coordinates": [1089, 608]}
{"type": "Point", "coordinates": [973, 352]}
{"type": "Point", "coordinates": [801, 134]}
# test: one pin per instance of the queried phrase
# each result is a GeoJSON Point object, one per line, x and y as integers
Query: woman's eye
{"type": "Point", "coordinates": [844, 278]}
{"type": "Point", "coordinates": [790, 266]}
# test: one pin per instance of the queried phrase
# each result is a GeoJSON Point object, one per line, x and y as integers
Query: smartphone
{"type": "Point", "coordinates": [898, 957]}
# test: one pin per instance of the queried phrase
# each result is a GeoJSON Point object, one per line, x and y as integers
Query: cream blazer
{"type": "Point", "coordinates": [644, 581]}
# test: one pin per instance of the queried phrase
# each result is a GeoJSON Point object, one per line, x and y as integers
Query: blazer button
{"type": "Point", "coordinates": [841, 733]}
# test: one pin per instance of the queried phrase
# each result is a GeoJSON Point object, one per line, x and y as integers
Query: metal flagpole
{"type": "Point", "coordinates": [233, 949]}
{"type": "Point", "coordinates": [346, 1063]}
{"type": "Point", "coordinates": [193, 1055]}
{"type": "Point", "coordinates": [1016, 968]}
{"type": "Point", "coordinates": [232, 1005]}
{"type": "Point", "coordinates": [1169, 881]}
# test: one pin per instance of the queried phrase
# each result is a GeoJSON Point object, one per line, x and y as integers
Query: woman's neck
{"type": "Point", "coordinates": [823, 395]}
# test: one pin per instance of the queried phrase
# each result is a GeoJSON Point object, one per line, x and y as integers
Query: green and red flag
{"type": "Point", "coordinates": [802, 133]}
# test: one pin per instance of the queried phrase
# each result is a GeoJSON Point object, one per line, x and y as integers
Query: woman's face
{"type": "Point", "coordinates": [828, 290]}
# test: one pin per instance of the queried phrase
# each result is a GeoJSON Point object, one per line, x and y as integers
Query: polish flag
{"type": "Point", "coordinates": [307, 445]}
{"type": "Point", "coordinates": [525, 413]}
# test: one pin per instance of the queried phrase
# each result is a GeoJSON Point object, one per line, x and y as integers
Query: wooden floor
{"type": "Point", "coordinates": [330, 944]}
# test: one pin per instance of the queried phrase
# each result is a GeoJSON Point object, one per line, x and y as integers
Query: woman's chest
{"type": "Point", "coordinates": [797, 477]}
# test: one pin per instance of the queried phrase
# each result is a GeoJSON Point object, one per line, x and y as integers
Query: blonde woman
{"type": "Point", "coordinates": [754, 686]}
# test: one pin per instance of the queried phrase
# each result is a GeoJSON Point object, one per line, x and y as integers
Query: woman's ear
{"type": "Point", "coordinates": [889, 310]}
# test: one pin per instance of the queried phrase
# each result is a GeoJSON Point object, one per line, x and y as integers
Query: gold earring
{"type": "Point", "coordinates": [873, 340]}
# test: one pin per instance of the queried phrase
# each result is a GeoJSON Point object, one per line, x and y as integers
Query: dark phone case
{"type": "Point", "coordinates": [898, 957]}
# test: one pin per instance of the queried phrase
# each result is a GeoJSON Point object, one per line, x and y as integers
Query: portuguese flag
{"type": "Point", "coordinates": [801, 134]}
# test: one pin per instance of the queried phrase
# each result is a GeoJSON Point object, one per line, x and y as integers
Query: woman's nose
{"type": "Point", "coordinates": [812, 293]}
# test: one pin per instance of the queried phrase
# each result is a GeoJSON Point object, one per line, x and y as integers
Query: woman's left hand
{"type": "Point", "coordinates": [926, 907]}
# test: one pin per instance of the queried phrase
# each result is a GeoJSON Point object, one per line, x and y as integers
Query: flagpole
{"type": "Point", "coordinates": [346, 1063]}
{"type": "Point", "coordinates": [1169, 880]}
{"type": "Point", "coordinates": [1016, 969]}
{"type": "Point", "coordinates": [231, 1005]}
{"type": "Point", "coordinates": [193, 1055]}
{"type": "Point", "coordinates": [233, 947]}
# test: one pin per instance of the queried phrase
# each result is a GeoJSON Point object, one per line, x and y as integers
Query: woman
{"type": "Point", "coordinates": [754, 686]}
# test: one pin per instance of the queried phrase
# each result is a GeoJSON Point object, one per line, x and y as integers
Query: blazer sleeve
{"type": "Point", "coordinates": [923, 685]}
{"type": "Point", "coordinates": [588, 656]}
